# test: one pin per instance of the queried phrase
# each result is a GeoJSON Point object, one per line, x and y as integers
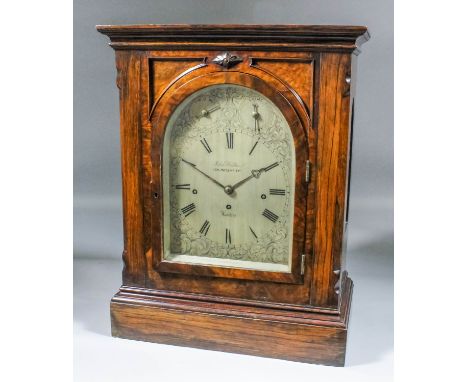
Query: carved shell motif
{"type": "Point", "coordinates": [227, 60]}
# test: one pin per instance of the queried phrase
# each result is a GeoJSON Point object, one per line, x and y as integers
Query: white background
{"type": "Point", "coordinates": [36, 204]}
{"type": "Point", "coordinates": [97, 199]}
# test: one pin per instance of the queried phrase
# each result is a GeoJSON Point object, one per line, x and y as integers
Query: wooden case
{"type": "Point", "coordinates": [309, 73]}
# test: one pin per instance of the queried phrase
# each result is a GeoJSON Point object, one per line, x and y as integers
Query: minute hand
{"type": "Point", "coordinates": [203, 173]}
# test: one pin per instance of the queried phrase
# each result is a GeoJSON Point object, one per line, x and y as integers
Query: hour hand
{"type": "Point", "coordinates": [242, 181]}
{"type": "Point", "coordinates": [203, 173]}
{"type": "Point", "coordinates": [255, 174]}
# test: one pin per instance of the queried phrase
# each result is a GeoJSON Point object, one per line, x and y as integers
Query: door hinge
{"type": "Point", "coordinates": [303, 259]}
{"type": "Point", "coordinates": [307, 174]}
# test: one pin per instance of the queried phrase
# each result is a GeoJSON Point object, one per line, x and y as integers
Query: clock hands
{"type": "Point", "coordinates": [230, 189]}
{"type": "Point", "coordinates": [205, 174]}
{"type": "Point", "coordinates": [254, 174]}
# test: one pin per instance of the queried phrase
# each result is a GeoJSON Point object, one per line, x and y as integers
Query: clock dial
{"type": "Point", "coordinates": [228, 175]}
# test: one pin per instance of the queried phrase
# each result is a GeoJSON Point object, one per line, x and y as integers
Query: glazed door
{"type": "Point", "coordinates": [229, 158]}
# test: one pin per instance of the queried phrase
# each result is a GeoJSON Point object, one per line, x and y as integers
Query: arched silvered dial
{"type": "Point", "coordinates": [228, 175]}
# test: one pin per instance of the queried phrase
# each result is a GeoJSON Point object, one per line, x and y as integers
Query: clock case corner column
{"type": "Point", "coordinates": [334, 95]}
{"type": "Point", "coordinates": [128, 81]}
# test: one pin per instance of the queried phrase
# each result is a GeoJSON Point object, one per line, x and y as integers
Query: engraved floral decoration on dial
{"type": "Point", "coordinates": [228, 175]}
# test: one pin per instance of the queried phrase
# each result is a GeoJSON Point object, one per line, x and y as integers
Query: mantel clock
{"type": "Point", "coordinates": [236, 151]}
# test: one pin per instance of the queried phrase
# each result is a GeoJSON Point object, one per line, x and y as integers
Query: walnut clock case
{"type": "Point", "coordinates": [236, 151]}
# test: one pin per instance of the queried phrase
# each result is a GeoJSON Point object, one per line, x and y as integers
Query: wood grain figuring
{"type": "Point", "coordinates": [309, 73]}
{"type": "Point", "coordinates": [295, 337]}
{"type": "Point", "coordinates": [253, 37]}
{"type": "Point", "coordinates": [128, 68]}
{"type": "Point", "coordinates": [163, 71]}
{"type": "Point", "coordinates": [333, 135]}
{"type": "Point", "coordinates": [296, 73]}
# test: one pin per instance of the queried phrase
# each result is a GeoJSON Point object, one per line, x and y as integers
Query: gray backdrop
{"type": "Point", "coordinates": [97, 194]}
{"type": "Point", "coordinates": [97, 179]}
{"type": "Point", "coordinates": [96, 115]}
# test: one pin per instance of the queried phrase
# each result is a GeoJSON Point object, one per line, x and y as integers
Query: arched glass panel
{"type": "Point", "coordinates": [228, 181]}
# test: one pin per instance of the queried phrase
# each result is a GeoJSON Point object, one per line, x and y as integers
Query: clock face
{"type": "Point", "coordinates": [228, 181]}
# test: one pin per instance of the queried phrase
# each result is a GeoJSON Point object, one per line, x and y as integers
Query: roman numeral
{"type": "Point", "coordinates": [271, 166]}
{"type": "Point", "coordinates": [253, 148]}
{"type": "Point", "coordinates": [205, 227]}
{"type": "Point", "coordinates": [253, 232]}
{"type": "Point", "coordinates": [182, 186]}
{"type": "Point", "coordinates": [270, 215]}
{"type": "Point", "coordinates": [205, 145]}
{"type": "Point", "coordinates": [187, 210]}
{"type": "Point", "coordinates": [228, 236]}
{"type": "Point", "coordinates": [230, 140]}
{"type": "Point", "coordinates": [276, 191]}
